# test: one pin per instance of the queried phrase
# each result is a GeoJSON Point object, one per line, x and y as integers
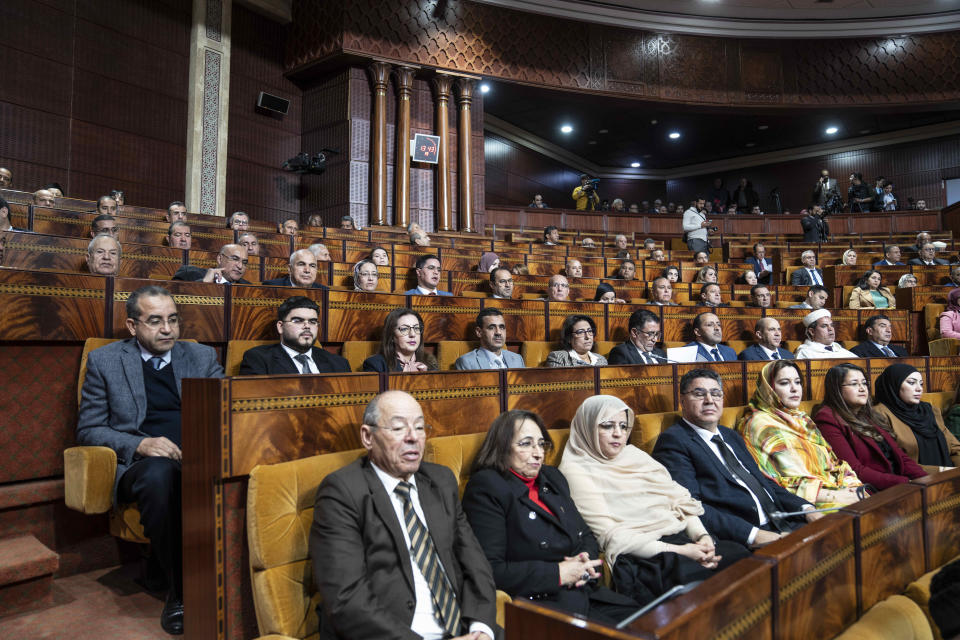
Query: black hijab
{"type": "Point", "coordinates": [931, 445]}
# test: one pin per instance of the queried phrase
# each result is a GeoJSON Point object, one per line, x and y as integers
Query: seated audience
{"type": "Point", "coordinates": [238, 221]}
{"type": "Point", "coordinates": [315, 220]}
{"type": "Point", "coordinates": [302, 272]}
{"type": "Point", "coordinates": [588, 243]}
{"type": "Point", "coordinates": [573, 269]}
{"type": "Point", "coordinates": [949, 318]}
{"type": "Point", "coordinates": [6, 178]}
{"type": "Point", "coordinates": [879, 332]}
{"type": "Point", "coordinates": [810, 274]}
{"type": "Point", "coordinates": [627, 270]}
{"type": "Point", "coordinates": [348, 224]}
{"type": "Point", "coordinates": [708, 334]}
{"type": "Point", "coordinates": [401, 345]}
{"type": "Point", "coordinates": [501, 283]}
{"type": "Point", "coordinates": [817, 296]}
{"type": "Point", "coordinates": [365, 276]}
{"type": "Point", "coordinates": [54, 188]}
{"type": "Point", "coordinates": [488, 262]}
{"type": "Point", "coordinates": [420, 239]}
{"type": "Point", "coordinates": [907, 281]}
{"type": "Point", "coordinates": [703, 456]}
{"type": "Point", "coordinates": [871, 294]}
{"type": "Point", "coordinates": [130, 402]}
{"type": "Point", "coordinates": [491, 329]}
{"type": "Point", "coordinates": [891, 257]}
{"type": "Point", "coordinates": [106, 206]}
{"type": "Point", "coordinates": [889, 200]}
{"type": "Point", "coordinates": [701, 258]}
{"type": "Point", "coordinates": [551, 236]}
{"type": "Point", "coordinates": [921, 205]}
{"type": "Point", "coordinates": [672, 274]}
{"type": "Point", "coordinates": [641, 347]}
{"type": "Point", "coordinates": [954, 279]}
{"type": "Point", "coordinates": [176, 212]}
{"type": "Point", "coordinates": [917, 426]}
{"type": "Point", "coordinates": [785, 442]}
{"type": "Point", "coordinates": [389, 540]}
{"type": "Point", "coordinates": [620, 242]}
{"type": "Point", "coordinates": [605, 293]}
{"type": "Point", "coordinates": [117, 195]}
{"type": "Point", "coordinates": [617, 205]}
{"type": "Point", "coordinates": [249, 242]}
{"type": "Point", "coordinates": [538, 203]}
{"type": "Point", "coordinates": [380, 257]}
{"type": "Point", "coordinates": [231, 266]}
{"type": "Point", "coordinates": [577, 337]}
{"type": "Point", "coordinates": [661, 292]}
{"type": "Point", "coordinates": [558, 289]}
{"type": "Point", "coordinates": [648, 525]}
{"type": "Point", "coordinates": [928, 253]}
{"type": "Point", "coordinates": [857, 433]}
{"type": "Point", "coordinates": [5, 217]}
{"type": "Point", "coordinates": [923, 238]}
{"type": "Point", "coordinates": [103, 255]}
{"type": "Point", "coordinates": [762, 265]}
{"type": "Point", "coordinates": [849, 258]}
{"type": "Point", "coordinates": [297, 325]}
{"type": "Point", "coordinates": [821, 335]}
{"type": "Point", "coordinates": [520, 269]}
{"type": "Point", "coordinates": [321, 252]}
{"type": "Point", "coordinates": [178, 235]}
{"type": "Point", "coordinates": [710, 296]}
{"type": "Point", "coordinates": [657, 255]}
{"type": "Point", "coordinates": [104, 223]}
{"type": "Point", "coordinates": [649, 244]}
{"type": "Point", "coordinates": [44, 198]}
{"type": "Point", "coordinates": [288, 227]}
{"type": "Point", "coordinates": [760, 297]}
{"type": "Point", "coordinates": [952, 418]}
{"type": "Point", "coordinates": [769, 337]}
{"type": "Point", "coordinates": [706, 275]}
{"type": "Point", "coordinates": [428, 277]}
{"type": "Point", "coordinates": [747, 277]}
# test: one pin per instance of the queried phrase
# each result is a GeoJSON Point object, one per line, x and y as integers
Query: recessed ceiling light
{"type": "Point", "coordinates": [653, 122]}
{"type": "Point", "coordinates": [592, 142]}
{"type": "Point", "coordinates": [603, 131]}
{"type": "Point", "coordinates": [634, 164]}
{"type": "Point", "coordinates": [674, 135]}
{"type": "Point", "coordinates": [750, 144]}
{"type": "Point", "coordinates": [831, 130]}
{"type": "Point", "coordinates": [648, 155]}
{"type": "Point", "coordinates": [566, 128]}
{"type": "Point", "coordinates": [864, 130]}
{"type": "Point", "coordinates": [484, 88]}
{"type": "Point", "coordinates": [763, 127]}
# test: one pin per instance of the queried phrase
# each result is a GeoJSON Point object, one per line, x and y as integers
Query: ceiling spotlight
{"type": "Point", "coordinates": [566, 128]}
{"type": "Point", "coordinates": [648, 155]}
{"type": "Point", "coordinates": [750, 144]}
{"type": "Point", "coordinates": [864, 130]}
{"type": "Point", "coordinates": [674, 135]}
{"type": "Point", "coordinates": [763, 127]}
{"type": "Point", "coordinates": [635, 165]}
{"type": "Point", "coordinates": [653, 122]}
{"type": "Point", "coordinates": [484, 88]}
{"type": "Point", "coordinates": [831, 130]}
{"type": "Point", "coordinates": [603, 131]}
{"type": "Point", "coordinates": [592, 142]}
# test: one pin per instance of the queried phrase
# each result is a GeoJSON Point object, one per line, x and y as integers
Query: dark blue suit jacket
{"type": "Point", "coordinates": [753, 262]}
{"type": "Point", "coordinates": [754, 352]}
{"type": "Point", "coordinates": [285, 281]}
{"type": "Point", "coordinates": [727, 353]}
{"type": "Point", "coordinates": [729, 511]}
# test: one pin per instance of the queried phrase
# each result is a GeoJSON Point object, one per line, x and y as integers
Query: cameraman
{"type": "Point", "coordinates": [825, 187]}
{"type": "Point", "coordinates": [859, 195]}
{"type": "Point", "coordinates": [695, 227]}
{"type": "Point", "coordinates": [586, 195]}
{"type": "Point", "coordinates": [815, 228]}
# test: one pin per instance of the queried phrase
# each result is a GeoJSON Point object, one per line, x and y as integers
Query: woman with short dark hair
{"type": "Point", "coordinates": [577, 336]}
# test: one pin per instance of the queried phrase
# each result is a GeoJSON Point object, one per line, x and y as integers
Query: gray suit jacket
{"type": "Point", "coordinates": [563, 359]}
{"type": "Point", "coordinates": [477, 360]}
{"type": "Point", "coordinates": [113, 402]}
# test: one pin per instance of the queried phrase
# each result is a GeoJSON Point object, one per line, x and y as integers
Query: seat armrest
{"type": "Point", "coordinates": [89, 474]}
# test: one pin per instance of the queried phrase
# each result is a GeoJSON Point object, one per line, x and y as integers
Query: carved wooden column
{"type": "Point", "coordinates": [442, 85]}
{"type": "Point", "coordinates": [380, 76]}
{"type": "Point", "coordinates": [465, 168]}
{"type": "Point", "coordinates": [401, 171]}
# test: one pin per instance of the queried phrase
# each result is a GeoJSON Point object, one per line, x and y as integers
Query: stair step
{"type": "Point", "coordinates": [25, 557]}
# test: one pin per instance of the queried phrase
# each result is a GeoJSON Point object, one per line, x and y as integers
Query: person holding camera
{"type": "Point", "coordinates": [696, 227]}
{"type": "Point", "coordinates": [859, 195]}
{"type": "Point", "coordinates": [815, 228]}
{"type": "Point", "coordinates": [586, 195]}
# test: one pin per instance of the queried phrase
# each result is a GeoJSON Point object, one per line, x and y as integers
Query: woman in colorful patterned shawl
{"type": "Point", "coordinates": [787, 445]}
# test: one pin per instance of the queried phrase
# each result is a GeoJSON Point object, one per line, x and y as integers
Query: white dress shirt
{"type": "Point", "coordinates": [811, 350]}
{"type": "Point", "coordinates": [164, 359]}
{"type": "Point", "coordinates": [426, 292]}
{"type": "Point", "coordinates": [424, 622]}
{"type": "Point", "coordinates": [814, 276]}
{"type": "Point", "coordinates": [578, 359]}
{"type": "Point", "coordinates": [496, 360]}
{"type": "Point", "coordinates": [293, 356]}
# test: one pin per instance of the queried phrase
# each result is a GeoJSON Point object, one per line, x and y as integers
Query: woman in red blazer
{"type": "Point", "coordinates": [858, 434]}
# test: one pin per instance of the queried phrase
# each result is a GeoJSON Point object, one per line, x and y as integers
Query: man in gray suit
{"type": "Point", "coordinates": [492, 331]}
{"type": "Point", "coordinates": [131, 403]}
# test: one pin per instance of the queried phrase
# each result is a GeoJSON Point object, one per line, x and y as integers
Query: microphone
{"type": "Point", "coordinates": [653, 355]}
{"type": "Point", "coordinates": [678, 590]}
{"type": "Point", "coordinates": [779, 515]}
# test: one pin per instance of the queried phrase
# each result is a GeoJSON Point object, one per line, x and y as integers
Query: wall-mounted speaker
{"type": "Point", "coordinates": [274, 104]}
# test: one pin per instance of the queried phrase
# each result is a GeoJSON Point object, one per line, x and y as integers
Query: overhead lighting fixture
{"type": "Point", "coordinates": [653, 122]}
{"type": "Point", "coordinates": [750, 144]}
{"type": "Point", "coordinates": [674, 135]}
{"type": "Point", "coordinates": [635, 165]}
{"type": "Point", "coordinates": [831, 130]}
{"type": "Point", "coordinates": [592, 142]}
{"type": "Point", "coordinates": [603, 131]}
{"type": "Point", "coordinates": [566, 128]}
{"type": "Point", "coordinates": [484, 88]}
{"type": "Point", "coordinates": [762, 127]}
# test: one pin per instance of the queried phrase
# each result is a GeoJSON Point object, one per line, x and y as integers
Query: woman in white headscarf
{"type": "Point", "coordinates": [648, 526]}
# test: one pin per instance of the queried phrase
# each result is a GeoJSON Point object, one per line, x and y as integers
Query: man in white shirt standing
{"type": "Point", "coordinates": [695, 225]}
{"type": "Point", "coordinates": [820, 338]}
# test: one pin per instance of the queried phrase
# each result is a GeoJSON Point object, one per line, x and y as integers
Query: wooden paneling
{"type": "Point", "coordinates": [449, 397]}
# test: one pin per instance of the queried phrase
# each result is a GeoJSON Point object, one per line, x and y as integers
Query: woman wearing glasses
{"type": "Point", "coordinates": [401, 346]}
{"type": "Point", "coordinates": [365, 276]}
{"type": "Point", "coordinates": [858, 434]}
{"type": "Point", "coordinates": [577, 337]}
{"type": "Point", "coordinates": [786, 444]}
{"type": "Point", "coordinates": [648, 526]}
{"type": "Point", "coordinates": [531, 532]}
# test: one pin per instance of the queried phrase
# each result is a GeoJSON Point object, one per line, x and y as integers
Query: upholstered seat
{"type": "Point", "coordinates": [896, 618]}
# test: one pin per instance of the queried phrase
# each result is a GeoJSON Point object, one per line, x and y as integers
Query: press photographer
{"type": "Point", "coordinates": [696, 227]}
{"type": "Point", "coordinates": [826, 195]}
{"type": "Point", "coordinates": [815, 228]}
{"type": "Point", "coordinates": [586, 195]}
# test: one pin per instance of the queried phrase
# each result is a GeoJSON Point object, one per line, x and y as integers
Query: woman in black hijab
{"type": "Point", "coordinates": [917, 426]}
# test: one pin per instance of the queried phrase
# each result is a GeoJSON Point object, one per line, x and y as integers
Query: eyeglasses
{"type": "Point", "coordinates": [529, 443]}
{"type": "Point", "coordinates": [701, 394]}
{"type": "Point", "coordinates": [410, 330]}
{"type": "Point", "coordinates": [861, 384]}
{"type": "Point", "coordinates": [650, 334]}
{"type": "Point", "coordinates": [582, 333]}
{"type": "Point", "coordinates": [156, 323]}
{"type": "Point", "coordinates": [613, 425]}
{"type": "Point", "coordinates": [299, 322]}
{"type": "Point", "coordinates": [398, 431]}
{"type": "Point", "coordinates": [560, 285]}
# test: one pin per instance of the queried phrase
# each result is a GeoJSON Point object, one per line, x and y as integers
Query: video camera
{"type": "Point", "coordinates": [303, 163]}
{"type": "Point", "coordinates": [591, 184]}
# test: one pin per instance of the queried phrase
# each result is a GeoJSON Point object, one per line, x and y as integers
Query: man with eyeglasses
{"type": "Point", "coordinates": [428, 277]}
{"type": "Point", "coordinates": [820, 338]}
{"type": "Point", "coordinates": [558, 289]}
{"type": "Point", "coordinates": [302, 272]}
{"type": "Point", "coordinates": [297, 325]}
{"type": "Point", "coordinates": [713, 463]}
{"type": "Point", "coordinates": [769, 336]}
{"type": "Point", "coordinates": [231, 265]}
{"type": "Point", "coordinates": [708, 334]}
{"type": "Point", "coordinates": [393, 554]}
{"type": "Point", "coordinates": [641, 348]}
{"type": "Point", "coordinates": [492, 331]}
{"type": "Point", "coordinates": [130, 402]}
{"type": "Point", "coordinates": [501, 283]}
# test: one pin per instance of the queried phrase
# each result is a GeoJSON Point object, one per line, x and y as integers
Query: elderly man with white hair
{"type": "Point", "coordinates": [820, 342]}
{"type": "Point", "coordinates": [809, 274]}
{"type": "Point", "coordinates": [302, 272]}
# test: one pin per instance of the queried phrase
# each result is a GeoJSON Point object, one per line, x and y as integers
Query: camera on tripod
{"type": "Point", "coordinates": [591, 184]}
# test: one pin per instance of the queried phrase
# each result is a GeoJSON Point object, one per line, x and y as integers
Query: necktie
{"type": "Point", "coordinates": [498, 364]}
{"type": "Point", "coordinates": [716, 355]}
{"type": "Point", "coordinates": [815, 277]}
{"type": "Point", "coordinates": [432, 293]}
{"type": "Point", "coordinates": [738, 470]}
{"type": "Point", "coordinates": [774, 356]}
{"type": "Point", "coordinates": [829, 348]}
{"type": "Point", "coordinates": [445, 605]}
{"type": "Point", "coordinates": [304, 361]}
{"type": "Point", "coordinates": [157, 362]}
{"type": "Point", "coordinates": [888, 352]}
{"type": "Point", "coordinates": [649, 358]}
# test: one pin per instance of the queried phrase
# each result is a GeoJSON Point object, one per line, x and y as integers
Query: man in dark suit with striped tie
{"type": "Point", "coordinates": [641, 348]}
{"type": "Point", "coordinates": [393, 554]}
{"type": "Point", "coordinates": [809, 274]}
{"type": "Point", "coordinates": [879, 332]}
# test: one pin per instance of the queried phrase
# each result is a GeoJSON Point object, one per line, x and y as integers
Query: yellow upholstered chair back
{"type": "Point", "coordinates": [535, 352]}
{"type": "Point", "coordinates": [356, 351]}
{"type": "Point", "coordinates": [449, 350]}
{"type": "Point", "coordinates": [896, 618]}
{"type": "Point", "coordinates": [648, 426]}
{"type": "Point", "coordinates": [235, 351]}
{"type": "Point", "coordinates": [280, 500]}
{"type": "Point", "coordinates": [931, 319]}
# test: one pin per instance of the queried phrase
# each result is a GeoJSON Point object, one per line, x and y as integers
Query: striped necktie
{"type": "Point", "coordinates": [445, 606]}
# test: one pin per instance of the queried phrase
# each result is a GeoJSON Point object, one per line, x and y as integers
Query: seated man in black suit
{"type": "Point", "coordinates": [298, 325]}
{"type": "Point", "coordinates": [303, 272]}
{"type": "Point", "coordinates": [760, 297]}
{"type": "Point", "coordinates": [710, 296]}
{"type": "Point", "coordinates": [641, 348]}
{"type": "Point", "coordinates": [768, 346]}
{"type": "Point", "coordinates": [231, 265]}
{"type": "Point", "coordinates": [713, 463]}
{"type": "Point", "coordinates": [928, 258]}
{"type": "Point", "coordinates": [809, 274]}
{"type": "Point", "coordinates": [762, 265]}
{"type": "Point", "coordinates": [879, 331]}
{"type": "Point", "coordinates": [891, 257]}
